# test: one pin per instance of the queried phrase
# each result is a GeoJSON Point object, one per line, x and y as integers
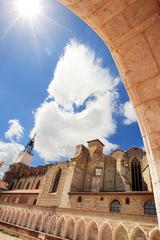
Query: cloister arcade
{"type": "Point", "coordinates": [75, 228]}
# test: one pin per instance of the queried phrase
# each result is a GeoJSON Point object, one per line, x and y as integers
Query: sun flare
{"type": "Point", "coordinates": [28, 8]}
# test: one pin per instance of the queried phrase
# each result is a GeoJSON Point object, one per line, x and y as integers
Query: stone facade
{"type": "Point", "coordinates": [91, 197]}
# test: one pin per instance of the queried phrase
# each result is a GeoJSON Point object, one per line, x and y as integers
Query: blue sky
{"type": "Point", "coordinates": [27, 65]}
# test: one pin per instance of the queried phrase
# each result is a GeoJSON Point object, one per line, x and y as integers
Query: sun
{"type": "Point", "coordinates": [28, 8]}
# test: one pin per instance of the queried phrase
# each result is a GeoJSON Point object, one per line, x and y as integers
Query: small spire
{"type": "Point", "coordinates": [30, 145]}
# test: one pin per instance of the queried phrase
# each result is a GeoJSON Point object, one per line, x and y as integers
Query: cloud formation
{"type": "Point", "coordinates": [8, 154]}
{"type": "Point", "coordinates": [15, 130]}
{"type": "Point", "coordinates": [128, 113]}
{"type": "Point", "coordinates": [82, 100]}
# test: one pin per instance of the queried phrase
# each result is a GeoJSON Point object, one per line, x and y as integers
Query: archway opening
{"type": "Point", "coordinates": [80, 230]}
{"type": "Point", "coordinates": [155, 235]}
{"type": "Point", "coordinates": [92, 232]}
{"type": "Point", "coordinates": [121, 233]}
{"type": "Point", "coordinates": [138, 233]}
{"type": "Point", "coordinates": [105, 232]}
{"type": "Point", "coordinates": [70, 229]}
{"type": "Point", "coordinates": [60, 227]}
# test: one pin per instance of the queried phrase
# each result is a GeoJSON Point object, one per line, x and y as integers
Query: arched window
{"type": "Point", "coordinates": [136, 176]}
{"type": "Point", "coordinates": [37, 185]}
{"type": "Point", "coordinates": [115, 206]}
{"type": "Point", "coordinates": [56, 181]}
{"type": "Point", "coordinates": [19, 185]}
{"type": "Point", "coordinates": [27, 185]}
{"type": "Point", "coordinates": [149, 207]}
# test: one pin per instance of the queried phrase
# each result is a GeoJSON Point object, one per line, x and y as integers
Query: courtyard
{"type": "Point", "coordinates": [7, 237]}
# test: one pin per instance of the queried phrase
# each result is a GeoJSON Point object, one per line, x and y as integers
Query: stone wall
{"type": "Point", "coordinates": [27, 198]}
{"type": "Point", "coordinates": [131, 203]}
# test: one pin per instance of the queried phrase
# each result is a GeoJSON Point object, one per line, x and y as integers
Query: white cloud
{"type": "Point", "coordinates": [78, 75]}
{"type": "Point", "coordinates": [8, 154]}
{"type": "Point", "coordinates": [128, 113]}
{"type": "Point", "coordinates": [15, 130]}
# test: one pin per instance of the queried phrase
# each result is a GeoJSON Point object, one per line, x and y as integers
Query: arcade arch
{"type": "Point", "coordinates": [80, 230]}
{"type": "Point", "coordinates": [137, 233]}
{"type": "Point", "coordinates": [92, 231]}
{"type": "Point", "coordinates": [105, 232]}
{"type": "Point", "coordinates": [155, 234]}
{"type": "Point", "coordinates": [70, 227]}
{"type": "Point", "coordinates": [120, 233]}
{"type": "Point", "coordinates": [60, 227]}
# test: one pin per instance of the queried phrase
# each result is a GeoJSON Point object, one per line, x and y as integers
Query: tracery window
{"type": "Point", "coordinates": [136, 175]}
{"type": "Point", "coordinates": [149, 207]}
{"type": "Point", "coordinates": [56, 181]}
{"type": "Point", "coordinates": [115, 206]}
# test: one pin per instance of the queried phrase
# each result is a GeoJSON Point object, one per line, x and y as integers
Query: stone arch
{"type": "Point", "coordinates": [21, 217]}
{"type": "Point", "coordinates": [80, 230]}
{"type": "Point", "coordinates": [26, 219]}
{"type": "Point", "coordinates": [3, 214]}
{"type": "Point", "coordinates": [45, 223]}
{"type": "Point", "coordinates": [10, 219]}
{"type": "Point", "coordinates": [39, 222]}
{"type": "Point", "coordinates": [60, 228]}
{"type": "Point", "coordinates": [16, 216]}
{"type": "Point", "coordinates": [32, 221]}
{"type": "Point", "coordinates": [92, 231]}
{"type": "Point", "coordinates": [154, 234]}
{"type": "Point", "coordinates": [52, 225]}
{"type": "Point", "coordinates": [8, 213]}
{"type": "Point", "coordinates": [105, 232]}
{"type": "Point", "coordinates": [70, 227]}
{"type": "Point", "coordinates": [120, 233]}
{"type": "Point", "coordinates": [137, 233]}
{"type": "Point", "coordinates": [128, 29]}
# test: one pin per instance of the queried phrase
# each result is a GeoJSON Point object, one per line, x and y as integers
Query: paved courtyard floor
{"type": "Point", "coordinates": [4, 236]}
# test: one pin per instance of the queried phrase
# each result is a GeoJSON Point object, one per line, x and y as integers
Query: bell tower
{"type": "Point", "coordinates": [25, 156]}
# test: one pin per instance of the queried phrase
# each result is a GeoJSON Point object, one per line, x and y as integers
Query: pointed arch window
{"type": "Point", "coordinates": [19, 185]}
{"type": "Point", "coordinates": [115, 206]}
{"type": "Point", "coordinates": [56, 181]}
{"type": "Point", "coordinates": [136, 175]}
{"type": "Point", "coordinates": [34, 202]}
{"type": "Point", "coordinates": [37, 185]}
{"type": "Point", "coordinates": [28, 185]}
{"type": "Point", "coordinates": [149, 207]}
